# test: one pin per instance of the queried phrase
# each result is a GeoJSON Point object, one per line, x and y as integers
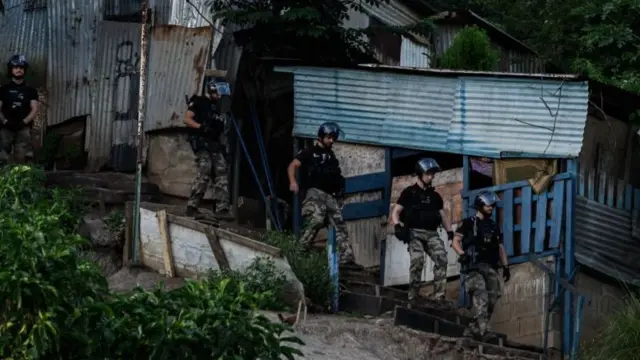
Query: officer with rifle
{"type": "Point", "coordinates": [322, 179]}
{"type": "Point", "coordinates": [478, 242]}
{"type": "Point", "coordinates": [416, 216]}
{"type": "Point", "coordinates": [208, 137]}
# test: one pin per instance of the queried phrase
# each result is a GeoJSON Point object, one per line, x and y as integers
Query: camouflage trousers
{"type": "Point", "coordinates": [485, 288]}
{"type": "Point", "coordinates": [210, 164]}
{"type": "Point", "coordinates": [427, 242]}
{"type": "Point", "coordinates": [18, 142]}
{"type": "Point", "coordinates": [320, 209]}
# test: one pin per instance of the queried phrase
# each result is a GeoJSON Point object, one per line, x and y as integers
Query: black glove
{"type": "Point", "coordinates": [402, 233]}
{"type": "Point", "coordinates": [450, 235]}
{"type": "Point", "coordinates": [506, 273]}
{"type": "Point", "coordinates": [464, 260]}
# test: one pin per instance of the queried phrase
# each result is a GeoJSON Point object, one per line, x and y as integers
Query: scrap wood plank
{"type": "Point", "coordinates": [425, 322]}
{"type": "Point", "coordinates": [216, 248]}
{"type": "Point", "coordinates": [165, 236]}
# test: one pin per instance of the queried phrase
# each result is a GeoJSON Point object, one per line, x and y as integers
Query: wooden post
{"type": "Point", "coordinates": [165, 235]}
{"type": "Point", "coordinates": [216, 248]}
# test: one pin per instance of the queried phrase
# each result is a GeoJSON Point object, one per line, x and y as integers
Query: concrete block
{"type": "Point", "coordinates": [530, 306]}
{"type": "Point", "coordinates": [530, 325]}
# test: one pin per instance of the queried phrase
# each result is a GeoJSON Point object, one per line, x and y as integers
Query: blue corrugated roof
{"type": "Point", "coordinates": [482, 114]}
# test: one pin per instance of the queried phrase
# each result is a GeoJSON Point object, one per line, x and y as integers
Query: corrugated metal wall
{"type": "Point", "coordinates": [72, 49]}
{"type": "Point", "coordinates": [604, 242]}
{"type": "Point", "coordinates": [511, 115]}
{"type": "Point", "coordinates": [177, 59]}
{"type": "Point", "coordinates": [456, 114]}
{"type": "Point", "coordinates": [111, 131]}
{"type": "Point", "coordinates": [227, 55]}
{"type": "Point", "coordinates": [414, 54]}
{"type": "Point", "coordinates": [24, 32]}
{"type": "Point", "coordinates": [185, 14]}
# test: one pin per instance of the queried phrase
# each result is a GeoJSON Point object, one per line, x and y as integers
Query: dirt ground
{"type": "Point", "coordinates": [332, 337]}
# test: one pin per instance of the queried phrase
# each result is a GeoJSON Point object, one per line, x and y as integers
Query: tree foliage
{"type": "Point", "coordinates": [470, 50]}
{"type": "Point", "coordinates": [597, 38]}
{"type": "Point", "coordinates": [307, 29]}
{"type": "Point", "coordinates": [57, 306]}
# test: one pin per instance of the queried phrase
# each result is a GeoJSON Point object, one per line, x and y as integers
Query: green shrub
{"type": "Point", "coordinates": [621, 338]}
{"type": "Point", "coordinates": [58, 306]}
{"type": "Point", "coordinates": [261, 277]}
{"type": "Point", "coordinates": [471, 50]}
{"type": "Point", "coordinates": [311, 267]}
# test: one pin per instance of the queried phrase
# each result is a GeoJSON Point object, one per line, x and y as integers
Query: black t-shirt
{"type": "Point", "coordinates": [16, 101]}
{"type": "Point", "coordinates": [206, 110]}
{"type": "Point", "coordinates": [314, 159]}
{"type": "Point", "coordinates": [487, 242]}
{"type": "Point", "coordinates": [421, 207]}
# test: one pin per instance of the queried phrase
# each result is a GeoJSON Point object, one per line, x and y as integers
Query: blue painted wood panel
{"type": "Point", "coordinates": [530, 223]}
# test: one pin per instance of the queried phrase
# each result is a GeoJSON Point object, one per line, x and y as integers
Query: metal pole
{"type": "Point", "coordinates": [142, 105]}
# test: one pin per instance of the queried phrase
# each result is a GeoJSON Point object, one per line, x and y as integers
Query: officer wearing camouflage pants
{"type": "Point", "coordinates": [416, 216]}
{"type": "Point", "coordinates": [479, 244]}
{"type": "Point", "coordinates": [324, 184]}
{"type": "Point", "coordinates": [208, 139]}
{"type": "Point", "coordinates": [18, 108]}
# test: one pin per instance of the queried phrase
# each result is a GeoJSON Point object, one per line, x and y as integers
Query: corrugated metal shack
{"type": "Point", "coordinates": [400, 111]}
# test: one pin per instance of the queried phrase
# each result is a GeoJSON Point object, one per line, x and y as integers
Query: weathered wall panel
{"type": "Point", "coordinates": [177, 59]}
{"type": "Point", "coordinates": [414, 54]}
{"type": "Point", "coordinates": [111, 130]}
{"type": "Point", "coordinates": [24, 32]}
{"type": "Point", "coordinates": [365, 235]}
{"type": "Point", "coordinates": [604, 242]}
{"type": "Point", "coordinates": [72, 49]}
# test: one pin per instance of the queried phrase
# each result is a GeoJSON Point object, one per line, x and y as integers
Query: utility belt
{"type": "Point", "coordinates": [423, 219]}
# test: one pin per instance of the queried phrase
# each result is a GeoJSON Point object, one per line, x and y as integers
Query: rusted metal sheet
{"type": "Point", "coordinates": [111, 130]}
{"type": "Point", "coordinates": [604, 240]}
{"type": "Point", "coordinates": [177, 60]}
{"type": "Point", "coordinates": [227, 54]}
{"type": "Point", "coordinates": [72, 49]}
{"type": "Point", "coordinates": [23, 30]}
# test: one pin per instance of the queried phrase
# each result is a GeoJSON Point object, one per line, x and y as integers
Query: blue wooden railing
{"type": "Point", "coordinates": [530, 223]}
{"type": "Point", "coordinates": [608, 190]}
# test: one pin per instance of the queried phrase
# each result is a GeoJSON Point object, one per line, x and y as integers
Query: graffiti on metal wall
{"type": "Point", "coordinates": [127, 81]}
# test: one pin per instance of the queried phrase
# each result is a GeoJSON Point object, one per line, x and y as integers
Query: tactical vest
{"type": "Point", "coordinates": [423, 212]}
{"type": "Point", "coordinates": [325, 174]}
{"type": "Point", "coordinates": [482, 243]}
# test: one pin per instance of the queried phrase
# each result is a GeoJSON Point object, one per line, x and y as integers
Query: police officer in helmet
{"type": "Point", "coordinates": [322, 179]}
{"type": "Point", "coordinates": [417, 215]}
{"type": "Point", "coordinates": [208, 140]}
{"type": "Point", "coordinates": [18, 108]}
{"type": "Point", "coordinates": [479, 243]}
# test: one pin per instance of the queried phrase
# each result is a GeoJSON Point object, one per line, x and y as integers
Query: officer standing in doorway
{"type": "Point", "coordinates": [416, 216]}
{"type": "Point", "coordinates": [208, 139]}
{"type": "Point", "coordinates": [479, 244]}
{"type": "Point", "coordinates": [18, 108]}
{"type": "Point", "coordinates": [324, 184]}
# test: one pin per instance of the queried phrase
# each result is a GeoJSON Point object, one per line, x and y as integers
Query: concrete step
{"type": "Point", "coordinates": [498, 345]}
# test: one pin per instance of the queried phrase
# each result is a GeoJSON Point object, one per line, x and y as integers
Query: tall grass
{"type": "Point", "coordinates": [621, 338]}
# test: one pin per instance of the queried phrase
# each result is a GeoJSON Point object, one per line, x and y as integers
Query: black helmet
{"type": "Point", "coordinates": [329, 128]}
{"type": "Point", "coordinates": [425, 165]}
{"type": "Point", "coordinates": [219, 85]}
{"type": "Point", "coordinates": [17, 61]}
{"type": "Point", "coordinates": [485, 198]}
